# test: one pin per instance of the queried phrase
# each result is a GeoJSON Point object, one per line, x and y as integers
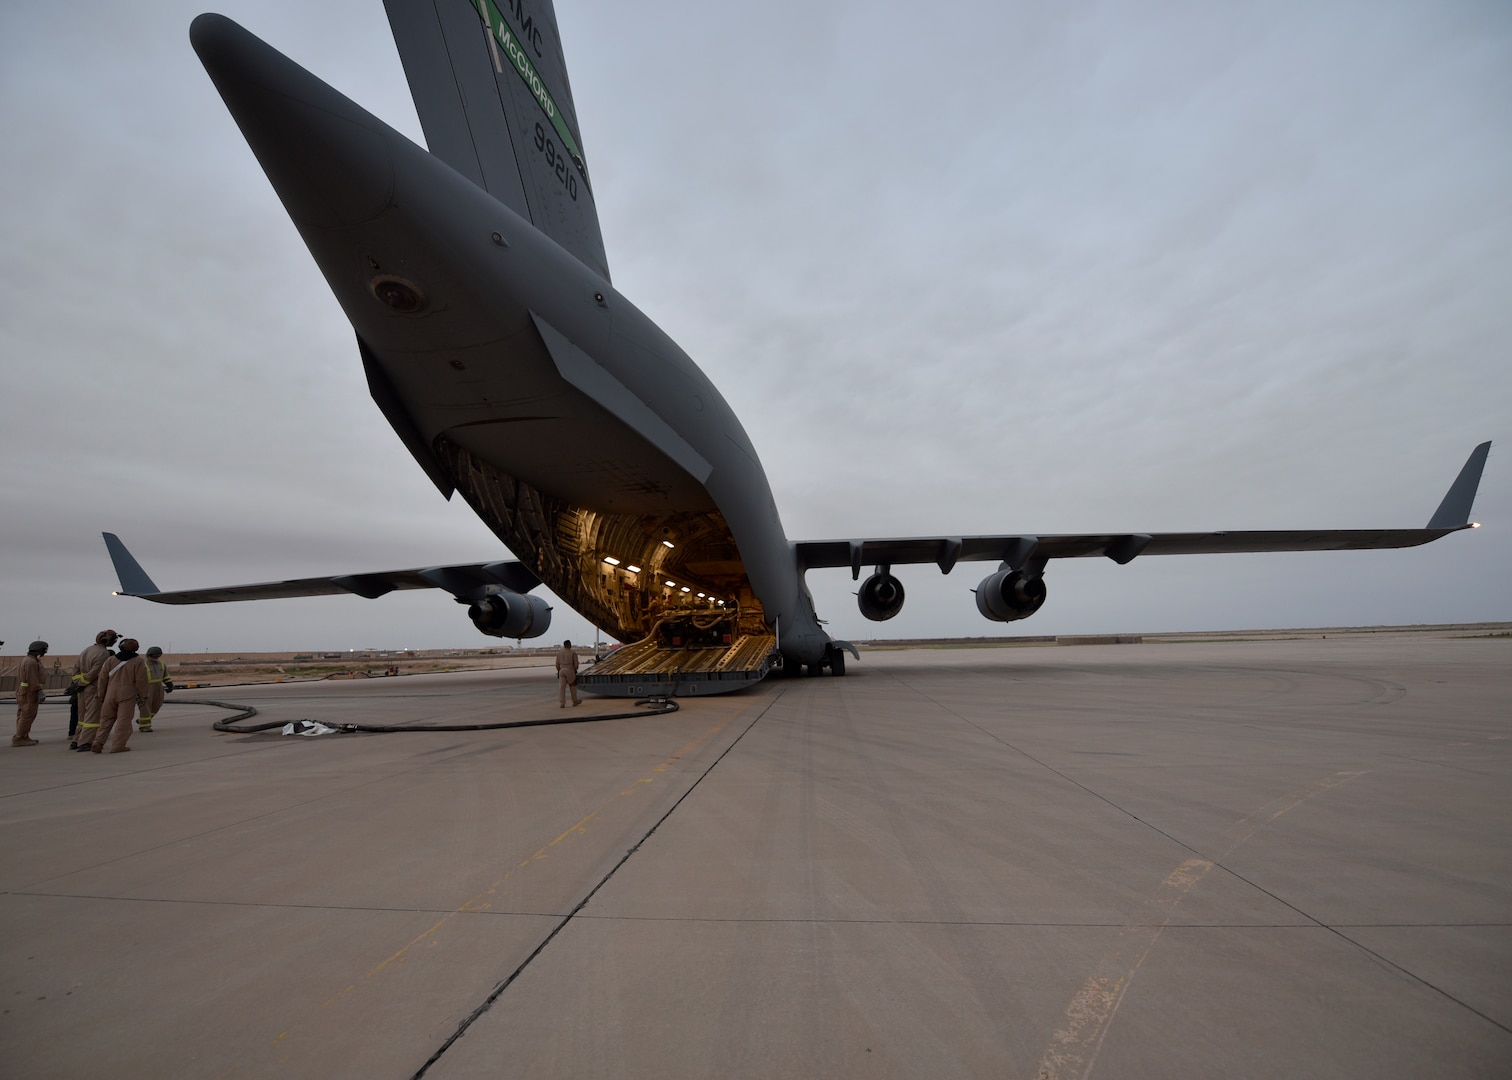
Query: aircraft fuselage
{"type": "Point", "coordinates": [586, 439]}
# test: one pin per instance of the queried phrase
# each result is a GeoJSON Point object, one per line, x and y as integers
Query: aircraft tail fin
{"type": "Point", "coordinates": [1454, 511]}
{"type": "Point", "coordinates": [490, 86]}
{"type": "Point", "coordinates": [134, 580]}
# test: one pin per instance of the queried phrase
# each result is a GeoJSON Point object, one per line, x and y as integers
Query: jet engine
{"type": "Point", "coordinates": [1009, 595]}
{"type": "Point", "coordinates": [510, 615]}
{"type": "Point", "coordinates": [881, 597]}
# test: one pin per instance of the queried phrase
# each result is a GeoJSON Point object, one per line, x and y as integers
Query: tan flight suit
{"type": "Point", "coordinates": [86, 675]}
{"type": "Point", "coordinates": [157, 672]}
{"type": "Point", "coordinates": [28, 695]}
{"type": "Point", "coordinates": [566, 666]}
{"type": "Point", "coordinates": [125, 688]}
{"type": "Point", "coordinates": [87, 739]}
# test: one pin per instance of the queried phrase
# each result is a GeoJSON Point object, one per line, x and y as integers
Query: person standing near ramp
{"type": "Point", "coordinates": [86, 674]}
{"type": "Point", "coordinates": [566, 668]}
{"type": "Point", "coordinates": [29, 693]}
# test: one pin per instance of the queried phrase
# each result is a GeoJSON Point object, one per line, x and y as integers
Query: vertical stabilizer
{"type": "Point", "coordinates": [490, 86]}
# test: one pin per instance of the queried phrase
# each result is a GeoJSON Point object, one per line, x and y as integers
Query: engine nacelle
{"type": "Point", "coordinates": [881, 597]}
{"type": "Point", "coordinates": [1009, 595]}
{"type": "Point", "coordinates": [510, 615]}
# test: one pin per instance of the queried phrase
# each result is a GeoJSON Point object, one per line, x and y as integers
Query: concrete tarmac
{"type": "Point", "coordinates": [1257, 859]}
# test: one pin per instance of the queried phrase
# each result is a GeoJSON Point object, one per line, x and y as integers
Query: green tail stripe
{"type": "Point", "coordinates": [503, 34]}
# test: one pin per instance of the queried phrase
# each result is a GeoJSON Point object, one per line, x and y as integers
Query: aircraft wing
{"type": "Point", "coordinates": [466, 581]}
{"type": "Point", "coordinates": [1019, 551]}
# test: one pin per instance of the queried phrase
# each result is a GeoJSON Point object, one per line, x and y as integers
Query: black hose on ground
{"type": "Point", "coordinates": [243, 712]}
{"type": "Point", "coordinates": [653, 707]}
{"type": "Point", "coordinates": [231, 724]}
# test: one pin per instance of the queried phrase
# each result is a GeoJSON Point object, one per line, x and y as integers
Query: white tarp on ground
{"type": "Point", "coordinates": [308, 727]}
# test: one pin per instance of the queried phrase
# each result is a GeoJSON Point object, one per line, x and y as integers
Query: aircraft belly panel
{"type": "Point", "coordinates": [506, 404]}
{"type": "Point", "coordinates": [612, 469]}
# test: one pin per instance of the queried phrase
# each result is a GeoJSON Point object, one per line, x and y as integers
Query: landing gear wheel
{"type": "Point", "coordinates": [837, 661]}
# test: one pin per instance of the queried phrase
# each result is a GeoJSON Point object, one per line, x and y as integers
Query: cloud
{"type": "Point", "coordinates": [988, 268]}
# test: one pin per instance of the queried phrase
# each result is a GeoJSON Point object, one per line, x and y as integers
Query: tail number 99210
{"type": "Point", "coordinates": [557, 161]}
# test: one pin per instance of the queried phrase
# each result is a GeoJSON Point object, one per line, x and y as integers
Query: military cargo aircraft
{"type": "Point", "coordinates": [474, 275]}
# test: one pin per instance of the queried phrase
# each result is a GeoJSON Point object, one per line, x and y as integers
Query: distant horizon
{"type": "Point", "coordinates": [549, 642]}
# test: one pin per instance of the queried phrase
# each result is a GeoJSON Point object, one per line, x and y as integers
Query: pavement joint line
{"type": "Point", "coordinates": [470, 906]}
{"type": "Point", "coordinates": [1368, 1012]}
{"type": "Point", "coordinates": [1256, 819]}
{"type": "Point", "coordinates": [134, 772]}
{"type": "Point", "coordinates": [239, 821]}
{"type": "Point", "coordinates": [509, 979]}
{"type": "Point", "coordinates": [276, 906]}
{"type": "Point", "coordinates": [1111, 992]}
{"type": "Point", "coordinates": [260, 745]}
{"type": "Point", "coordinates": [1436, 764]}
{"type": "Point", "coordinates": [1338, 931]}
{"type": "Point", "coordinates": [1310, 925]}
{"type": "Point", "coordinates": [1027, 924]}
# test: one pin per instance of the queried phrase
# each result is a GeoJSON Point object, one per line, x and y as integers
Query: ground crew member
{"type": "Point", "coordinates": [566, 667]}
{"type": "Point", "coordinates": [86, 673]}
{"type": "Point", "coordinates": [159, 682]}
{"type": "Point", "coordinates": [85, 738]}
{"type": "Point", "coordinates": [125, 687]}
{"type": "Point", "coordinates": [29, 693]}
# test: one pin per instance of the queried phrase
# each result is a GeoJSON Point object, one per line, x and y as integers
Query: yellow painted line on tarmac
{"type": "Point", "coordinates": [445, 918]}
{"type": "Point", "coordinates": [331, 1001]}
{"type": "Point", "coordinates": [1073, 1048]}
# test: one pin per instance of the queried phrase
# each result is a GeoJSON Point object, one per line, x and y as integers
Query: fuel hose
{"type": "Point", "coordinates": [651, 706]}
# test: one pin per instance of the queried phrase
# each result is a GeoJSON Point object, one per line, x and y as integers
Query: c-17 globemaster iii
{"type": "Point", "coordinates": [475, 277]}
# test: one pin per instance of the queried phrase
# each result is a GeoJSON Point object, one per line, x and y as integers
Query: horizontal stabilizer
{"type": "Point", "coordinates": [466, 581]}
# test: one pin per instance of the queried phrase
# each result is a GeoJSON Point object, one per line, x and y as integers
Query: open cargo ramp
{"type": "Point", "coordinates": [655, 667]}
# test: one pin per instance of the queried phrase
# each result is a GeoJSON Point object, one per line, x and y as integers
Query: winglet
{"type": "Point", "coordinates": [1454, 511]}
{"type": "Point", "coordinates": [134, 580]}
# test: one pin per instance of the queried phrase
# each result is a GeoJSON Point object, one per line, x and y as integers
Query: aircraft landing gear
{"type": "Point", "coordinates": [833, 659]}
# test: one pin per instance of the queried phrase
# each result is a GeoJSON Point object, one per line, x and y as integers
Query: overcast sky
{"type": "Point", "coordinates": [962, 267]}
